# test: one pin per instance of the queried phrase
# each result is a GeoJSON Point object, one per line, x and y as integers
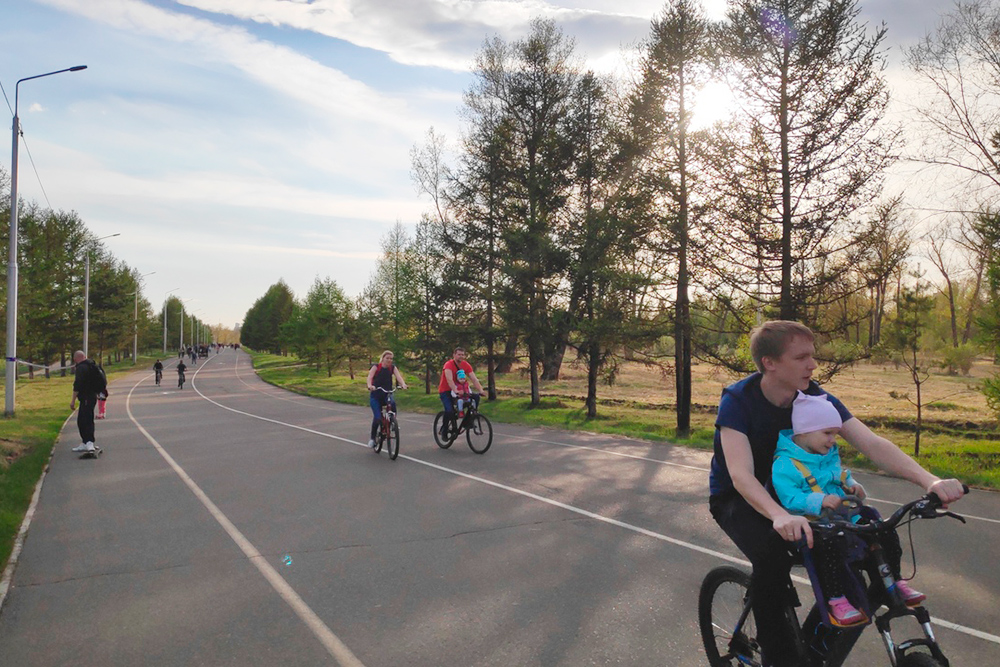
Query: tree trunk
{"type": "Point", "coordinates": [788, 308]}
{"type": "Point", "coordinates": [506, 362]}
{"type": "Point", "coordinates": [533, 374]}
{"type": "Point", "coordinates": [491, 375]}
{"type": "Point", "coordinates": [553, 358]}
{"type": "Point", "coordinates": [593, 367]}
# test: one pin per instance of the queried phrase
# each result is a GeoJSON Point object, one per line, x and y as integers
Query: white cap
{"type": "Point", "coordinates": [814, 413]}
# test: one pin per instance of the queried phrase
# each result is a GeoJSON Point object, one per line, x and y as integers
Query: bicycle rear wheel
{"type": "Point", "coordinates": [392, 440]}
{"type": "Point", "coordinates": [722, 603]}
{"type": "Point", "coordinates": [443, 442]}
{"type": "Point", "coordinates": [479, 433]}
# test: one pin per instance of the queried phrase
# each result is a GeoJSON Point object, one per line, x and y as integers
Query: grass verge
{"type": "Point", "coordinates": [967, 455]}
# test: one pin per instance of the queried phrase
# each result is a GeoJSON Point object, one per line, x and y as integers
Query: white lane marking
{"type": "Point", "coordinates": [607, 452]}
{"type": "Point", "coordinates": [334, 646]}
{"type": "Point", "coordinates": [576, 510]}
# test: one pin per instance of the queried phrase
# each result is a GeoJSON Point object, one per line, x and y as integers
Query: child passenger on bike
{"type": "Point", "coordinates": [808, 477]}
{"type": "Point", "coordinates": [380, 377]}
{"type": "Point", "coordinates": [462, 392]}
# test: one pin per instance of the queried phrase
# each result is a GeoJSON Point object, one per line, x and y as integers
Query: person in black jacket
{"type": "Point", "coordinates": [89, 382]}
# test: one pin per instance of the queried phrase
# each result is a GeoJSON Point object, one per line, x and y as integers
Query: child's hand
{"type": "Point", "coordinates": [858, 491]}
{"type": "Point", "coordinates": [832, 501]}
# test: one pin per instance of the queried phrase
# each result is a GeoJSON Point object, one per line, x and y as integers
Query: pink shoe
{"type": "Point", "coordinates": [844, 613]}
{"type": "Point", "coordinates": [910, 597]}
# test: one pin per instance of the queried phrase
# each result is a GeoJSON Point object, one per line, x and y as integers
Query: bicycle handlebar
{"type": "Point", "coordinates": [387, 391]}
{"type": "Point", "coordinates": [924, 507]}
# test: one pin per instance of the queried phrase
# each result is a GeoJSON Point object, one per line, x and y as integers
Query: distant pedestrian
{"type": "Point", "coordinates": [88, 383]}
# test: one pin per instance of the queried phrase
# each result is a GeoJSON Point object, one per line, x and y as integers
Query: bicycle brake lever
{"type": "Point", "coordinates": [954, 516]}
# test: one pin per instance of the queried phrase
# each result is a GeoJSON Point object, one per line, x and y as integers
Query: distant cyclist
{"type": "Point", "coordinates": [180, 374]}
{"type": "Point", "coordinates": [380, 377]}
{"type": "Point", "coordinates": [448, 389]}
{"type": "Point", "coordinates": [158, 369]}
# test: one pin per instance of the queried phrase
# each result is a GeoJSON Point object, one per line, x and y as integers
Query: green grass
{"type": "Point", "coordinates": [26, 440]}
{"type": "Point", "coordinates": [967, 456]}
{"type": "Point", "coordinates": [561, 413]}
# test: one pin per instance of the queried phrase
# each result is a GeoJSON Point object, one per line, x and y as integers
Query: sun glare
{"type": "Point", "coordinates": [713, 103]}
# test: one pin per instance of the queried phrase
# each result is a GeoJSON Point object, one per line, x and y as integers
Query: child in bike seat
{"type": "Point", "coordinates": [461, 392]}
{"type": "Point", "coordinates": [807, 476]}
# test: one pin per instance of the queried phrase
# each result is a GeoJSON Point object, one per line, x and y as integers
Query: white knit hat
{"type": "Point", "coordinates": [814, 413]}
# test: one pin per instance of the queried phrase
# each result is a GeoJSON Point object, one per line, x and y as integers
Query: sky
{"type": "Point", "coordinates": [233, 143]}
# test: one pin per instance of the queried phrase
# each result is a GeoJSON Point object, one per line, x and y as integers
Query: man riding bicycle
{"type": "Point", "coordinates": [158, 370]}
{"type": "Point", "coordinates": [380, 377]}
{"type": "Point", "coordinates": [751, 414]}
{"type": "Point", "coordinates": [448, 387]}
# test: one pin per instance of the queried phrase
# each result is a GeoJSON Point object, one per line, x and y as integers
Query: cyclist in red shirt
{"type": "Point", "coordinates": [448, 388]}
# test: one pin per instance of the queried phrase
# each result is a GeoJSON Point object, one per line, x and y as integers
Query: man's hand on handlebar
{"type": "Point", "coordinates": [792, 528]}
{"type": "Point", "coordinates": [948, 490]}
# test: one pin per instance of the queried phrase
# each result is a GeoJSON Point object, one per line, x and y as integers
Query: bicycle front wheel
{"type": "Point", "coordinates": [728, 628]}
{"type": "Point", "coordinates": [444, 442]}
{"type": "Point", "coordinates": [479, 433]}
{"type": "Point", "coordinates": [920, 660]}
{"type": "Point", "coordinates": [392, 440]}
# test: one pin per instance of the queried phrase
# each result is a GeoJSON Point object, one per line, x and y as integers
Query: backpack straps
{"type": "Point", "coordinates": [810, 479]}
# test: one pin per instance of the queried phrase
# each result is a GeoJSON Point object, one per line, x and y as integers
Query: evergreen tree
{"type": "Point", "coordinates": [809, 151]}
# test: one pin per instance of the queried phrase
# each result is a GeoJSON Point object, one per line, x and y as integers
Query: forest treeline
{"type": "Point", "coordinates": [52, 250]}
{"type": "Point", "coordinates": [593, 217]}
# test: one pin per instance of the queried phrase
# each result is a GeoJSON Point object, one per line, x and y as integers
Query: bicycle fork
{"type": "Point", "coordinates": [897, 609]}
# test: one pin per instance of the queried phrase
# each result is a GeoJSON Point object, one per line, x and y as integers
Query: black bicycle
{"type": "Point", "coordinates": [477, 428]}
{"type": "Point", "coordinates": [159, 376]}
{"type": "Point", "coordinates": [729, 630]}
{"type": "Point", "coordinates": [388, 432]}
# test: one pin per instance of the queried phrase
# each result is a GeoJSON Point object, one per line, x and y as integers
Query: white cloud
{"type": "Point", "coordinates": [281, 69]}
{"type": "Point", "coordinates": [437, 33]}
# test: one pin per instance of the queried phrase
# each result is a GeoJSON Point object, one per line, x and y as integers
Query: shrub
{"type": "Point", "coordinates": [959, 358]}
{"type": "Point", "coordinates": [991, 389]}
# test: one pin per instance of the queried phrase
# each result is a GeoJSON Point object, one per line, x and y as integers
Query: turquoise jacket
{"type": "Point", "coordinates": [794, 493]}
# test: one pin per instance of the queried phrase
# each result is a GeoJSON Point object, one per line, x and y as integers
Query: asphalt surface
{"type": "Point", "coordinates": [234, 523]}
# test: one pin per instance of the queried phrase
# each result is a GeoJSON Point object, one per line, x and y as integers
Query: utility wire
{"type": "Point", "coordinates": [6, 100]}
{"type": "Point", "coordinates": [26, 149]}
{"type": "Point", "coordinates": [35, 169]}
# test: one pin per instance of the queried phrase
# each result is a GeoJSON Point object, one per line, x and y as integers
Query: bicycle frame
{"type": "Point", "coordinates": [388, 415]}
{"type": "Point", "coordinates": [470, 409]}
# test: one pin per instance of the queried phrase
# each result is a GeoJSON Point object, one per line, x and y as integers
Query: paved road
{"type": "Point", "coordinates": [234, 523]}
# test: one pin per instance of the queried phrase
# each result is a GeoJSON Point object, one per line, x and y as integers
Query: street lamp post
{"type": "Point", "coordinates": [194, 341]}
{"type": "Point", "coordinates": [135, 333]}
{"type": "Point", "coordinates": [86, 295]}
{"type": "Point", "coordinates": [165, 318]}
{"type": "Point", "coordinates": [183, 301]}
{"type": "Point", "coordinates": [11, 365]}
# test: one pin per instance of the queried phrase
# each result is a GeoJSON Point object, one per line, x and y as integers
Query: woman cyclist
{"type": "Point", "coordinates": [380, 377]}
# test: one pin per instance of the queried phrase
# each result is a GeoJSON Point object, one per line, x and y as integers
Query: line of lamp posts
{"type": "Point", "coordinates": [11, 359]}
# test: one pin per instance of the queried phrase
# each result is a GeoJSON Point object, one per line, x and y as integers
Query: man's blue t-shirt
{"type": "Point", "coordinates": [744, 408]}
